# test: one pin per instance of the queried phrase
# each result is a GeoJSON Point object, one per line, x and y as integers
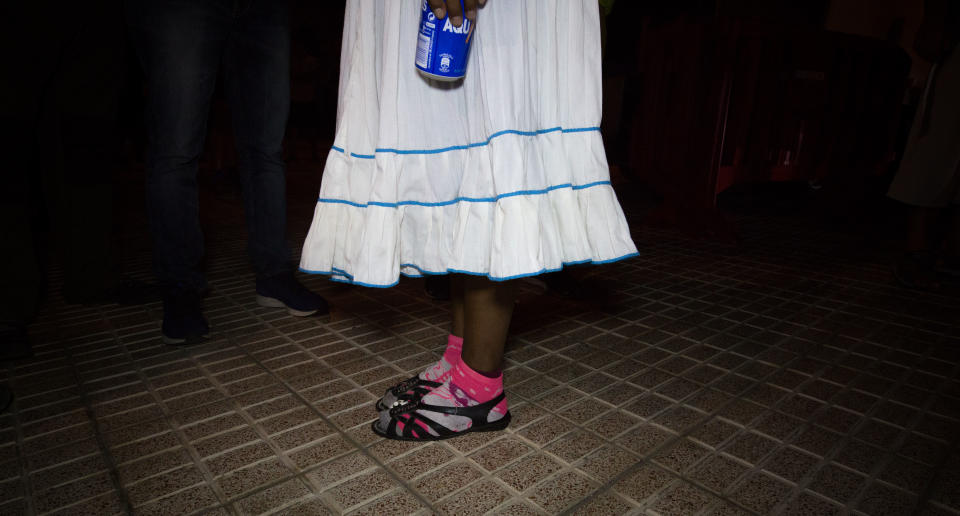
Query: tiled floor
{"type": "Point", "coordinates": [783, 376]}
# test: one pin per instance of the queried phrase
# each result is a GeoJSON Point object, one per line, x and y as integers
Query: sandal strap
{"type": "Point", "coordinates": [421, 424]}
{"type": "Point", "coordinates": [413, 395]}
{"type": "Point", "coordinates": [410, 426]}
{"type": "Point", "coordinates": [474, 412]}
{"type": "Point", "coordinates": [411, 383]}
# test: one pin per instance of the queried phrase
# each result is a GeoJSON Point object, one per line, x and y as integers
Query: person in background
{"type": "Point", "coordinates": [183, 46]}
{"type": "Point", "coordinates": [929, 178]}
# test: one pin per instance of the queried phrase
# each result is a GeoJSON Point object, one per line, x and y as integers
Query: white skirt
{"type": "Point", "coordinates": [502, 175]}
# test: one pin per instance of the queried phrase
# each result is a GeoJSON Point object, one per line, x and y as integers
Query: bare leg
{"type": "Point", "coordinates": [488, 307]}
{"type": "Point", "coordinates": [456, 304]}
{"type": "Point", "coordinates": [439, 370]}
{"type": "Point", "coordinates": [475, 384]}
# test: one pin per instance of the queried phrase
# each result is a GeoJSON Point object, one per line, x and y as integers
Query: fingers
{"type": "Point", "coordinates": [439, 8]}
{"type": "Point", "coordinates": [456, 12]}
{"type": "Point", "coordinates": [471, 8]}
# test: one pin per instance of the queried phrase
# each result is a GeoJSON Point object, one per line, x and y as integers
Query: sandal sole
{"type": "Point", "coordinates": [496, 426]}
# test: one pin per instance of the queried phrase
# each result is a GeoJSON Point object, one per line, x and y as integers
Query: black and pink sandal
{"type": "Point", "coordinates": [415, 387]}
{"type": "Point", "coordinates": [408, 423]}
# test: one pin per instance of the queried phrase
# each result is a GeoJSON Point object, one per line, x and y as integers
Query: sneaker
{"type": "Point", "coordinates": [183, 322]}
{"type": "Point", "coordinates": [284, 291]}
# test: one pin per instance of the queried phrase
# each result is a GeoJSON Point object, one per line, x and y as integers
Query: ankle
{"type": "Point", "coordinates": [454, 346]}
{"type": "Point", "coordinates": [481, 387]}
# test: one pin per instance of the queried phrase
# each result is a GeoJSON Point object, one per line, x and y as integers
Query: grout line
{"type": "Point", "coordinates": [889, 454]}
{"type": "Point", "coordinates": [98, 434]}
{"type": "Point", "coordinates": [682, 435]}
{"type": "Point", "coordinates": [173, 424]}
{"type": "Point", "coordinates": [25, 478]}
{"type": "Point", "coordinates": [362, 449]}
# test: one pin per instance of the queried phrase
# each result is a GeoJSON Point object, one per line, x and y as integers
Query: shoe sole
{"type": "Point", "coordinates": [496, 426]}
{"type": "Point", "coordinates": [271, 302]}
{"type": "Point", "coordinates": [184, 341]}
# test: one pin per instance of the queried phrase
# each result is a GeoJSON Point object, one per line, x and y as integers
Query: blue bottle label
{"type": "Point", "coordinates": [443, 49]}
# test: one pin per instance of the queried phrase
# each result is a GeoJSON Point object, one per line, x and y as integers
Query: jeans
{"type": "Point", "coordinates": [183, 45]}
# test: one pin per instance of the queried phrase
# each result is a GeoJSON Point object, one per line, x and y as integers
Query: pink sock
{"type": "Point", "coordinates": [469, 387]}
{"type": "Point", "coordinates": [464, 387]}
{"type": "Point", "coordinates": [439, 371]}
{"type": "Point", "coordinates": [454, 348]}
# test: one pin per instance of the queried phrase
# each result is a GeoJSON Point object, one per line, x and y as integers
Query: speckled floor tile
{"type": "Point", "coordinates": [183, 502]}
{"type": "Point", "coordinates": [714, 432]}
{"type": "Point", "coordinates": [562, 491]}
{"type": "Point", "coordinates": [226, 441]}
{"type": "Point", "coordinates": [395, 502]}
{"type": "Point", "coordinates": [425, 458]}
{"type": "Point", "coordinates": [528, 471]}
{"type": "Point", "coordinates": [645, 439]}
{"type": "Point", "coordinates": [477, 498]}
{"type": "Point", "coordinates": [517, 509]}
{"type": "Point", "coordinates": [327, 473]}
{"type": "Point", "coordinates": [681, 499]}
{"type": "Point", "coordinates": [807, 504]}
{"type": "Point", "coordinates": [605, 504]}
{"type": "Point", "coordinates": [442, 482]}
{"type": "Point", "coordinates": [11, 489]}
{"type": "Point", "coordinates": [65, 473]}
{"type": "Point", "coordinates": [320, 451]}
{"type": "Point", "coordinates": [702, 377]}
{"type": "Point", "coordinates": [546, 430]}
{"type": "Point", "coordinates": [309, 506]}
{"type": "Point", "coordinates": [884, 499]}
{"type": "Point", "coordinates": [361, 489]}
{"type": "Point", "coordinates": [718, 472]}
{"type": "Point", "coordinates": [238, 458]}
{"type": "Point", "coordinates": [68, 494]}
{"type": "Point", "coordinates": [837, 483]}
{"type": "Point", "coordinates": [859, 456]}
{"type": "Point", "coordinates": [760, 492]}
{"type": "Point", "coordinates": [680, 456]}
{"type": "Point", "coordinates": [750, 447]}
{"type": "Point", "coordinates": [500, 453]}
{"type": "Point", "coordinates": [238, 482]}
{"type": "Point", "coordinates": [274, 498]}
{"type": "Point", "coordinates": [105, 504]}
{"type": "Point", "coordinates": [790, 464]}
{"type": "Point", "coordinates": [643, 484]}
{"type": "Point", "coordinates": [163, 484]}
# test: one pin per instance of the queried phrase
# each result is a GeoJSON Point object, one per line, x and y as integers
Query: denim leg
{"type": "Point", "coordinates": [257, 68]}
{"type": "Point", "coordinates": [180, 44]}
